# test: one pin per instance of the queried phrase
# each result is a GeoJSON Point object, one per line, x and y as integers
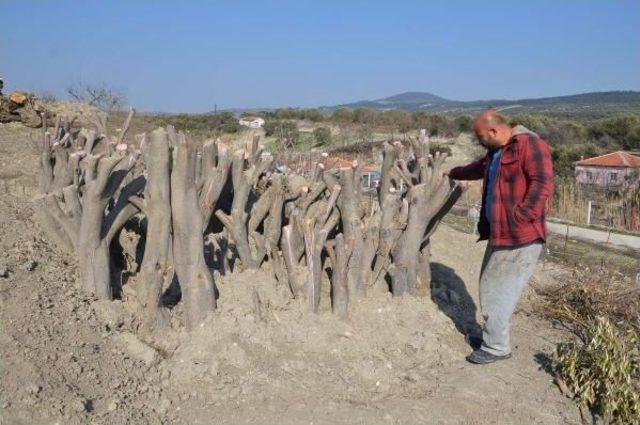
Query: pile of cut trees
{"type": "Point", "coordinates": [156, 211]}
{"type": "Point", "coordinates": [21, 107]}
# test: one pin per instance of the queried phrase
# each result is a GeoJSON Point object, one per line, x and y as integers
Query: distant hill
{"type": "Point", "coordinates": [594, 102]}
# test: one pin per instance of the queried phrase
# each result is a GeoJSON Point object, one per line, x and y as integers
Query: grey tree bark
{"type": "Point", "coordinates": [216, 162]}
{"type": "Point", "coordinates": [425, 200]}
{"type": "Point", "coordinates": [339, 253]}
{"type": "Point", "coordinates": [156, 269]}
{"type": "Point", "coordinates": [322, 218]}
{"type": "Point", "coordinates": [196, 281]}
{"type": "Point", "coordinates": [352, 226]}
{"type": "Point", "coordinates": [246, 169]}
{"type": "Point", "coordinates": [76, 187]}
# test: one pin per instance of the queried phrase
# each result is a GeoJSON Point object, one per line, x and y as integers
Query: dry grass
{"type": "Point", "coordinates": [609, 208]}
{"type": "Point", "coordinates": [590, 294]}
{"type": "Point", "coordinates": [570, 203]}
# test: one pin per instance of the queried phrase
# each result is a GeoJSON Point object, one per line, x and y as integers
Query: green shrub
{"type": "Point", "coordinates": [436, 147]}
{"type": "Point", "coordinates": [230, 126]}
{"type": "Point", "coordinates": [604, 371]}
{"type": "Point", "coordinates": [313, 115]}
{"type": "Point", "coordinates": [322, 136]}
{"type": "Point", "coordinates": [623, 129]}
{"type": "Point", "coordinates": [435, 124]}
{"type": "Point", "coordinates": [602, 366]}
{"type": "Point", "coordinates": [556, 131]}
{"type": "Point", "coordinates": [398, 119]}
{"type": "Point", "coordinates": [564, 156]}
{"type": "Point", "coordinates": [285, 132]}
{"type": "Point", "coordinates": [224, 122]}
{"type": "Point", "coordinates": [464, 123]}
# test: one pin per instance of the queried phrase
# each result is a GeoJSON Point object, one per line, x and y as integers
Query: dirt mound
{"type": "Point", "coordinates": [85, 114]}
{"type": "Point", "coordinates": [389, 347]}
{"type": "Point", "coordinates": [261, 358]}
{"type": "Point", "coordinates": [69, 358]}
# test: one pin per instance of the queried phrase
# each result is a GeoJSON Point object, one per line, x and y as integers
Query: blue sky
{"type": "Point", "coordinates": [189, 55]}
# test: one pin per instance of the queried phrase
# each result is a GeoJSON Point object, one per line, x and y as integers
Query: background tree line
{"type": "Point", "coordinates": [570, 137]}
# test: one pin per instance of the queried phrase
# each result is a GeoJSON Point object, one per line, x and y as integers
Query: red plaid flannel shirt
{"type": "Point", "coordinates": [523, 186]}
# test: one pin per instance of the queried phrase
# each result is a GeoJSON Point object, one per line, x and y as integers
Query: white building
{"type": "Point", "coordinates": [251, 121]}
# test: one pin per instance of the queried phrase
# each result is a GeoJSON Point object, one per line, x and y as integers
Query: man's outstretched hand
{"type": "Point", "coordinates": [464, 184]}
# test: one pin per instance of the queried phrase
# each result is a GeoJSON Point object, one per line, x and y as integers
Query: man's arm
{"type": "Point", "coordinates": [538, 169]}
{"type": "Point", "coordinates": [473, 171]}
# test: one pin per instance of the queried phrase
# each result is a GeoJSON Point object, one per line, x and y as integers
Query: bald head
{"type": "Point", "coordinates": [491, 129]}
{"type": "Point", "coordinates": [489, 117]}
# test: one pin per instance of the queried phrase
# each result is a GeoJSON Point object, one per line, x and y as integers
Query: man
{"type": "Point", "coordinates": [518, 180]}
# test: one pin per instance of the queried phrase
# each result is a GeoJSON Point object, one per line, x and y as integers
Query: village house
{"type": "Point", "coordinates": [251, 121]}
{"type": "Point", "coordinates": [304, 165]}
{"type": "Point", "coordinates": [370, 176]}
{"type": "Point", "coordinates": [615, 170]}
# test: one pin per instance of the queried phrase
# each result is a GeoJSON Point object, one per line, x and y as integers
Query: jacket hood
{"type": "Point", "coordinates": [521, 129]}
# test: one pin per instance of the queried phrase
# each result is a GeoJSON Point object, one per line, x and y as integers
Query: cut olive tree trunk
{"type": "Point", "coordinates": [425, 200]}
{"type": "Point", "coordinates": [216, 162]}
{"type": "Point", "coordinates": [292, 248]}
{"type": "Point", "coordinates": [352, 225]}
{"type": "Point", "coordinates": [389, 158]}
{"type": "Point", "coordinates": [317, 226]}
{"type": "Point", "coordinates": [59, 167]}
{"type": "Point", "coordinates": [339, 253]}
{"type": "Point", "coordinates": [292, 243]}
{"type": "Point", "coordinates": [196, 282]}
{"type": "Point", "coordinates": [156, 267]}
{"type": "Point", "coordinates": [85, 222]}
{"type": "Point", "coordinates": [370, 243]}
{"type": "Point", "coordinates": [83, 201]}
{"type": "Point", "coordinates": [246, 169]}
{"type": "Point", "coordinates": [267, 210]}
{"type": "Point", "coordinates": [102, 177]}
{"type": "Point", "coordinates": [393, 220]}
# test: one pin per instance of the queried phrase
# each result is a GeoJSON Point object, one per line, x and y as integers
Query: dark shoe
{"type": "Point", "coordinates": [482, 357]}
{"type": "Point", "coordinates": [474, 342]}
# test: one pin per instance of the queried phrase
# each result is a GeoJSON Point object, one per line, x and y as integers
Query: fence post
{"type": "Point", "coordinates": [589, 213]}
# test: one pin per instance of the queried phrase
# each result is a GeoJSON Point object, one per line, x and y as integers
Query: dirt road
{"type": "Point", "coordinates": [595, 236]}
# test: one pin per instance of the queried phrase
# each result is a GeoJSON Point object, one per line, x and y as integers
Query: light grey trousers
{"type": "Point", "coordinates": [504, 274]}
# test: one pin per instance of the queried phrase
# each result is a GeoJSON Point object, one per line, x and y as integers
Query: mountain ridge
{"type": "Point", "coordinates": [424, 101]}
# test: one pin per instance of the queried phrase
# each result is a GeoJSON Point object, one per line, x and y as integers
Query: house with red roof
{"type": "Point", "coordinates": [337, 163]}
{"type": "Point", "coordinates": [370, 177]}
{"type": "Point", "coordinates": [615, 170]}
{"type": "Point", "coordinates": [305, 164]}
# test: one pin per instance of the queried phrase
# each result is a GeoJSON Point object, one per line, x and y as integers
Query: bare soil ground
{"type": "Point", "coordinates": [262, 358]}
